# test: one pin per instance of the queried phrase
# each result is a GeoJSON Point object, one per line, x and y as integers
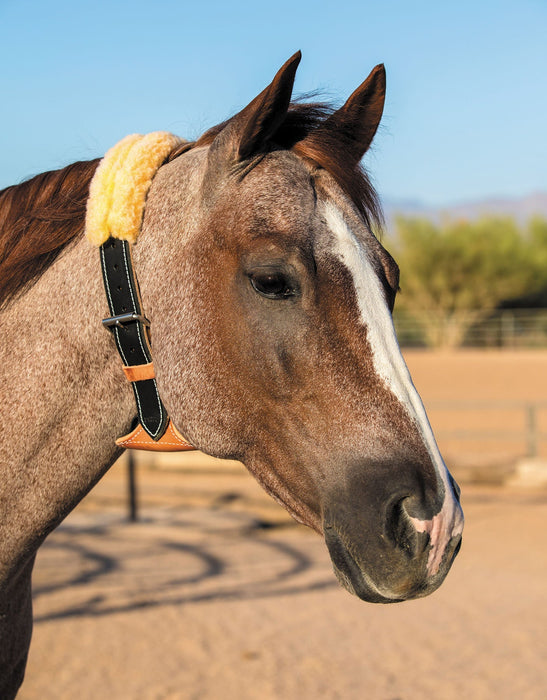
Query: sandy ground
{"type": "Point", "coordinates": [215, 593]}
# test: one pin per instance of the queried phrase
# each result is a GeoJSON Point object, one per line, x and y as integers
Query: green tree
{"type": "Point", "coordinates": [537, 240]}
{"type": "Point", "coordinates": [455, 273]}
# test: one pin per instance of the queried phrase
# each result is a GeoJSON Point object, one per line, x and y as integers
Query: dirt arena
{"type": "Point", "coordinates": [216, 593]}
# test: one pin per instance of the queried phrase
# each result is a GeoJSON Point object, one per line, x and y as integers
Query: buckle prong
{"type": "Point", "coordinates": [122, 319]}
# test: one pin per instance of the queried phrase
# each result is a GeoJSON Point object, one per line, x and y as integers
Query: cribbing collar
{"type": "Point", "coordinates": [131, 331]}
{"type": "Point", "coordinates": [115, 207]}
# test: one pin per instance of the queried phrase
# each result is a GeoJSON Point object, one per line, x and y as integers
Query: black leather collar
{"type": "Point", "coordinates": [131, 331]}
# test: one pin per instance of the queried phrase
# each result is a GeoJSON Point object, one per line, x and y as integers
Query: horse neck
{"type": "Point", "coordinates": [64, 397]}
{"type": "Point", "coordinates": [64, 402]}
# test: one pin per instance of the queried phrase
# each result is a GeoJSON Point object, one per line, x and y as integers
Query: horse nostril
{"type": "Point", "coordinates": [455, 487]}
{"type": "Point", "coordinates": [400, 529]}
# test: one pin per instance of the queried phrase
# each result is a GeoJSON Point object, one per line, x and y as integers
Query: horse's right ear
{"type": "Point", "coordinates": [257, 123]}
{"type": "Point", "coordinates": [249, 132]}
{"type": "Point", "coordinates": [351, 128]}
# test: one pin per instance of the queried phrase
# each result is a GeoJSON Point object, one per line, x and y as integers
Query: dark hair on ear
{"type": "Point", "coordinates": [318, 146]}
{"type": "Point", "coordinates": [301, 133]}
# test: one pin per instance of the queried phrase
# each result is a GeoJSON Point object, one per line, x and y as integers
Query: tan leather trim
{"type": "Point", "coordinates": [170, 441]}
{"type": "Point", "coordinates": [138, 373]}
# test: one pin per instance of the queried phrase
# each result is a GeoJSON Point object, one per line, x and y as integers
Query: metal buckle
{"type": "Point", "coordinates": [122, 319]}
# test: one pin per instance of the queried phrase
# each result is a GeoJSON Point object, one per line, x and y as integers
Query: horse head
{"type": "Point", "coordinates": [274, 342]}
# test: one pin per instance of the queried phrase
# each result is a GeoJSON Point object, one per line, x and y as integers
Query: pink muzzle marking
{"type": "Point", "coordinates": [441, 529]}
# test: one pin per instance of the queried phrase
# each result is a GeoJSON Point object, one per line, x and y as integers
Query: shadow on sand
{"type": "Point", "coordinates": [98, 568]}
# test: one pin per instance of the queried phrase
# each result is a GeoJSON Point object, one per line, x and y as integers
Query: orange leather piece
{"type": "Point", "coordinates": [170, 441]}
{"type": "Point", "coordinates": [138, 373]}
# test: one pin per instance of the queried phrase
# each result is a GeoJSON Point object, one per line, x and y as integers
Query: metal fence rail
{"type": "Point", "coordinates": [503, 328]}
{"type": "Point", "coordinates": [531, 433]}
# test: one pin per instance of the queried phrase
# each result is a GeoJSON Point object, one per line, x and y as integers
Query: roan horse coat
{"type": "Point", "coordinates": [270, 304]}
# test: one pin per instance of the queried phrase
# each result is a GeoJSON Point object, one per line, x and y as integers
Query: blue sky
{"type": "Point", "coordinates": [465, 117]}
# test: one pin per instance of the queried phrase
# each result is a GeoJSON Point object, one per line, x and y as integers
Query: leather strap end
{"type": "Point", "coordinates": [138, 373]}
{"type": "Point", "coordinates": [170, 441]}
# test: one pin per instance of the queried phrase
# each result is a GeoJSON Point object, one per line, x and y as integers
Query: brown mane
{"type": "Point", "coordinates": [38, 219]}
{"type": "Point", "coordinates": [41, 216]}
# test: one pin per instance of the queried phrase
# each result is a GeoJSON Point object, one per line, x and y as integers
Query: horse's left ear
{"type": "Point", "coordinates": [353, 126]}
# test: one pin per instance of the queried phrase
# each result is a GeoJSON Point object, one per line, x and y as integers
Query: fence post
{"type": "Point", "coordinates": [531, 430]}
{"type": "Point", "coordinates": [508, 335]}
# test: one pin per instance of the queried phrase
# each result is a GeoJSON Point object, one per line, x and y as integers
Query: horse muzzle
{"type": "Point", "coordinates": [403, 559]}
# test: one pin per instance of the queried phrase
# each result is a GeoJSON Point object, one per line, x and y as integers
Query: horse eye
{"type": "Point", "coordinates": [272, 284]}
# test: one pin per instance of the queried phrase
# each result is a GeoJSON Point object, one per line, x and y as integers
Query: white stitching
{"type": "Point", "coordinates": [132, 297]}
{"type": "Point", "coordinates": [172, 444]}
{"type": "Point", "coordinates": [144, 352]}
{"type": "Point", "coordinates": [111, 307]}
{"type": "Point", "coordinates": [103, 262]}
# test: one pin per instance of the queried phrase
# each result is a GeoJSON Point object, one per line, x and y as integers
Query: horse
{"type": "Point", "coordinates": [270, 304]}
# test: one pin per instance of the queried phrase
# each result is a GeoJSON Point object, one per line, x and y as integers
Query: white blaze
{"type": "Point", "coordinates": [391, 367]}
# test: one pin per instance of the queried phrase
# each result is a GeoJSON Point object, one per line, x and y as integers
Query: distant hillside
{"type": "Point", "coordinates": [521, 208]}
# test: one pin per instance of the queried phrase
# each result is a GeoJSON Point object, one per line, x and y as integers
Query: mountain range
{"type": "Point", "coordinates": [521, 208]}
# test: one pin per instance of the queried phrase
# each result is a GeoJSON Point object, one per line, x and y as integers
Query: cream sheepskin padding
{"type": "Point", "coordinates": [117, 193]}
